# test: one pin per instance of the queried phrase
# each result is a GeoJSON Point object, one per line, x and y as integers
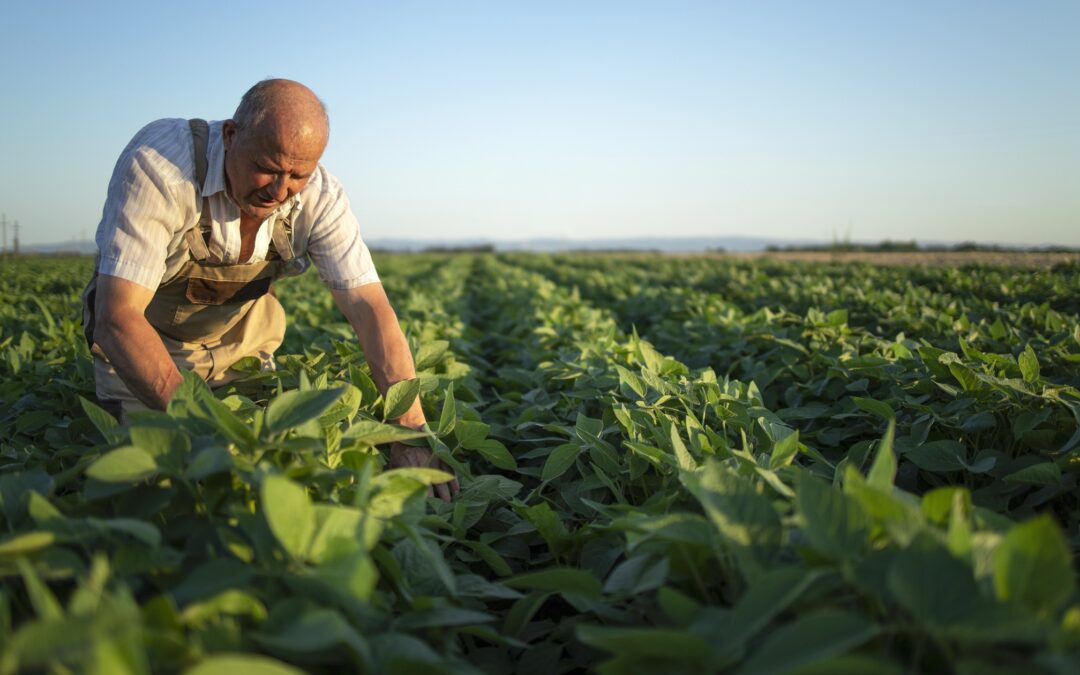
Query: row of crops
{"type": "Point", "coordinates": [667, 465]}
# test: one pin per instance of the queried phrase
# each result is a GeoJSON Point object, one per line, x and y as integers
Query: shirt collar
{"type": "Point", "coordinates": [215, 171]}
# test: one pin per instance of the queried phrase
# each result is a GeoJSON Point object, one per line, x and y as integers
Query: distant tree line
{"type": "Point", "coordinates": [890, 246]}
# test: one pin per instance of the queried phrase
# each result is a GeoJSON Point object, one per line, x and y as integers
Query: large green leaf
{"type": "Point", "coordinates": [934, 586]}
{"type": "Point", "coordinates": [1033, 566]}
{"type": "Point", "coordinates": [560, 459]}
{"type": "Point", "coordinates": [370, 432]}
{"type": "Point", "coordinates": [646, 643]}
{"type": "Point", "coordinates": [293, 408]}
{"type": "Point", "coordinates": [558, 580]}
{"type": "Point", "coordinates": [496, 453]}
{"type": "Point", "coordinates": [400, 397]}
{"type": "Point", "coordinates": [249, 664]}
{"type": "Point", "coordinates": [448, 416]}
{"type": "Point", "coordinates": [836, 525]}
{"type": "Point", "coordinates": [289, 514]}
{"type": "Point", "coordinates": [1029, 364]}
{"type": "Point", "coordinates": [808, 640]}
{"type": "Point", "coordinates": [883, 470]}
{"type": "Point", "coordinates": [127, 464]}
{"type": "Point", "coordinates": [938, 456]}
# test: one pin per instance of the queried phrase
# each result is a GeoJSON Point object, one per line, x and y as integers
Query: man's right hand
{"type": "Point", "coordinates": [131, 344]}
{"type": "Point", "coordinates": [402, 455]}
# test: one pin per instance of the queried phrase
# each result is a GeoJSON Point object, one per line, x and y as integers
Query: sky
{"type": "Point", "coordinates": [509, 120]}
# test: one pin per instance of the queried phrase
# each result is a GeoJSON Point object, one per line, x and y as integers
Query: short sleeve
{"type": "Point", "coordinates": [142, 210]}
{"type": "Point", "coordinates": [334, 244]}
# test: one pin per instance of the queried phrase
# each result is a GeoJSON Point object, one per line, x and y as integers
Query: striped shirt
{"type": "Point", "coordinates": [153, 200]}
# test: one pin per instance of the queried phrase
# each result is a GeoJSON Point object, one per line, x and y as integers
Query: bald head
{"type": "Point", "coordinates": [272, 145]}
{"type": "Point", "coordinates": [285, 110]}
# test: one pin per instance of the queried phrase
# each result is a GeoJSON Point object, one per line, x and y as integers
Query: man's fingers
{"type": "Point", "coordinates": [442, 492]}
{"type": "Point", "coordinates": [406, 456]}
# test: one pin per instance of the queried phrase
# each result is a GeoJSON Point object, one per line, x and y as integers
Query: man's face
{"type": "Point", "coordinates": [264, 168]}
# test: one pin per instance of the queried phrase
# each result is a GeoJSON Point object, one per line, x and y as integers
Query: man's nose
{"type": "Point", "coordinates": [279, 189]}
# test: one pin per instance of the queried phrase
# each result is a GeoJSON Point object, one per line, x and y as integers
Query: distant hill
{"type": "Point", "coordinates": [83, 247]}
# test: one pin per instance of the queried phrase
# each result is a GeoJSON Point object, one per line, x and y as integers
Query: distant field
{"type": "Point", "coordinates": [936, 258]}
{"type": "Point", "coordinates": [692, 464]}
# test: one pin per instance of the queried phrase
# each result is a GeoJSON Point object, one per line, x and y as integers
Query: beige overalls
{"type": "Point", "coordinates": [209, 315]}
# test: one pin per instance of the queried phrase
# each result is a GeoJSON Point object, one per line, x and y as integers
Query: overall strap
{"type": "Point", "coordinates": [281, 235]}
{"type": "Point", "coordinates": [199, 236]}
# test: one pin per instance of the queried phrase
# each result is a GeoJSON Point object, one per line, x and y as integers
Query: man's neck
{"type": "Point", "coordinates": [249, 229]}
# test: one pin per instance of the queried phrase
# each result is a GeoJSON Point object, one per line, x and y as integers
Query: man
{"type": "Point", "coordinates": [199, 220]}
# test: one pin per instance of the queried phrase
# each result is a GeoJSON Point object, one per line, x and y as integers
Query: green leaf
{"type": "Point", "coordinates": [646, 643]}
{"type": "Point", "coordinates": [400, 397]}
{"type": "Point", "coordinates": [333, 522]}
{"type": "Point", "coordinates": [809, 640]}
{"type": "Point", "coordinates": [1029, 364]}
{"type": "Point", "coordinates": [683, 457]}
{"type": "Point", "coordinates": [442, 617]}
{"type": "Point", "coordinates": [937, 456]}
{"type": "Point", "coordinates": [637, 575]}
{"type": "Point", "coordinates": [883, 471]}
{"type": "Point", "coordinates": [835, 524]}
{"type": "Point", "coordinates": [370, 432]}
{"type": "Point", "coordinates": [422, 475]}
{"type": "Point", "coordinates": [141, 530]}
{"type": "Point", "coordinates": [1043, 473]}
{"type": "Point", "coordinates": [496, 453]}
{"type": "Point", "coordinates": [233, 602]}
{"type": "Point", "coordinates": [24, 543]}
{"type": "Point", "coordinates": [769, 596]}
{"type": "Point", "coordinates": [560, 459]}
{"type": "Point", "coordinates": [938, 503]}
{"type": "Point", "coordinates": [933, 585]}
{"type": "Point", "coordinates": [558, 580]}
{"type": "Point", "coordinates": [745, 519]}
{"type": "Point", "coordinates": [548, 524]}
{"type": "Point", "coordinates": [210, 460]}
{"type": "Point", "coordinates": [45, 605]}
{"type": "Point", "coordinates": [225, 421]}
{"type": "Point", "coordinates": [344, 408]}
{"type": "Point", "coordinates": [879, 408]}
{"type": "Point", "coordinates": [248, 664]}
{"type": "Point", "coordinates": [293, 408]}
{"type": "Point", "coordinates": [289, 514]}
{"type": "Point", "coordinates": [430, 354]}
{"type": "Point", "coordinates": [784, 450]}
{"type": "Point", "coordinates": [102, 421]}
{"type": "Point", "coordinates": [448, 416]}
{"type": "Point", "coordinates": [363, 382]}
{"type": "Point", "coordinates": [128, 464]}
{"type": "Point", "coordinates": [470, 434]}
{"type": "Point", "coordinates": [1033, 566]}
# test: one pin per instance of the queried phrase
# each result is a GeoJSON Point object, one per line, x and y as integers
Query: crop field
{"type": "Point", "coordinates": [668, 465]}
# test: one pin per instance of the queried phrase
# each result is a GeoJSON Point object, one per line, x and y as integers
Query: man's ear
{"type": "Point", "coordinates": [228, 133]}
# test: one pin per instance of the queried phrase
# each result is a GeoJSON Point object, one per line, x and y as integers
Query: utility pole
{"type": "Point", "coordinates": [3, 225]}
{"type": "Point", "coordinates": [16, 247]}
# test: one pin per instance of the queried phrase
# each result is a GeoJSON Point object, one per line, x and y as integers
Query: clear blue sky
{"type": "Point", "coordinates": [514, 119]}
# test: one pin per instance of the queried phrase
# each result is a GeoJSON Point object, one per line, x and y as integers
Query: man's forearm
{"type": "Point", "coordinates": [369, 313]}
{"type": "Point", "coordinates": [134, 348]}
{"type": "Point", "coordinates": [391, 361]}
